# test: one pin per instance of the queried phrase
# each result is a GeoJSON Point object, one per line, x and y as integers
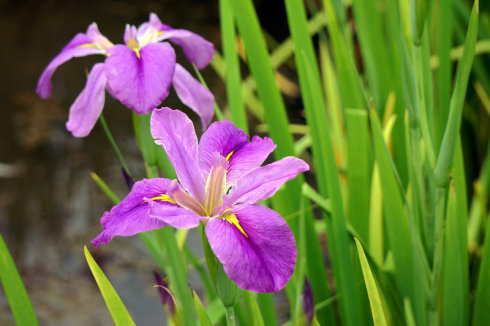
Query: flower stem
{"type": "Point", "coordinates": [230, 316]}
{"type": "Point", "coordinates": [114, 145]}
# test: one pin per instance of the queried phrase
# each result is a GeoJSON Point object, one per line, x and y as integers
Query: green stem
{"type": "Point", "coordinates": [230, 316]}
{"type": "Point", "coordinates": [114, 145]}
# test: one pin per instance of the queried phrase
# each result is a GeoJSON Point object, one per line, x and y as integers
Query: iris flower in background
{"type": "Point", "coordinates": [220, 180]}
{"type": "Point", "coordinates": [138, 73]}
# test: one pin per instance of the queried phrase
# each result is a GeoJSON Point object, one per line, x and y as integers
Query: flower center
{"type": "Point", "coordinates": [215, 184]}
{"type": "Point", "coordinates": [134, 45]}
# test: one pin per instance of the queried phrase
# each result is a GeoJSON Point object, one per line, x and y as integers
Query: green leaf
{"type": "Point", "coordinates": [358, 171]}
{"type": "Point", "coordinates": [453, 284]}
{"type": "Point", "coordinates": [374, 298]}
{"type": "Point", "coordinates": [482, 296]}
{"type": "Point", "coordinates": [253, 307]}
{"type": "Point", "coordinates": [267, 308]}
{"type": "Point", "coordinates": [202, 315]}
{"type": "Point", "coordinates": [449, 140]}
{"type": "Point", "coordinates": [325, 164]}
{"type": "Point", "coordinates": [178, 274]}
{"type": "Point", "coordinates": [105, 188]}
{"type": "Point", "coordinates": [116, 307]}
{"type": "Point", "coordinates": [14, 289]}
{"type": "Point", "coordinates": [232, 64]}
{"type": "Point", "coordinates": [397, 226]}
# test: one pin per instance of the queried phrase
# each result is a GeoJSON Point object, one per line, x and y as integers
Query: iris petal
{"type": "Point", "coordinates": [193, 94]}
{"type": "Point", "coordinates": [222, 137]}
{"type": "Point", "coordinates": [263, 182]}
{"type": "Point", "coordinates": [197, 49]}
{"type": "Point", "coordinates": [174, 131]}
{"type": "Point", "coordinates": [86, 109]}
{"type": "Point", "coordinates": [232, 143]}
{"type": "Point", "coordinates": [261, 261]}
{"type": "Point", "coordinates": [140, 83]}
{"type": "Point", "coordinates": [132, 215]}
{"type": "Point", "coordinates": [81, 45]}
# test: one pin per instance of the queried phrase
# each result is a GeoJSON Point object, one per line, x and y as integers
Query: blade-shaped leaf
{"type": "Point", "coordinates": [14, 289]}
{"type": "Point", "coordinates": [119, 313]}
{"type": "Point", "coordinates": [374, 298]}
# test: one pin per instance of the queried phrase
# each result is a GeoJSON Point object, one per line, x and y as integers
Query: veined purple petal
{"type": "Point", "coordinates": [263, 182]}
{"type": "Point", "coordinates": [261, 261]}
{"type": "Point", "coordinates": [232, 143]}
{"type": "Point", "coordinates": [197, 49]}
{"type": "Point", "coordinates": [132, 215]}
{"type": "Point", "coordinates": [193, 94]}
{"type": "Point", "coordinates": [222, 137]}
{"type": "Point", "coordinates": [140, 83]}
{"type": "Point", "coordinates": [173, 215]}
{"type": "Point", "coordinates": [81, 45]}
{"type": "Point", "coordinates": [86, 109]}
{"type": "Point", "coordinates": [249, 157]}
{"type": "Point", "coordinates": [174, 131]}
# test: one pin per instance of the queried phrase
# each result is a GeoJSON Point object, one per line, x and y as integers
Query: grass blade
{"type": "Point", "coordinates": [453, 283]}
{"type": "Point", "coordinates": [14, 289]}
{"type": "Point", "coordinates": [374, 298]}
{"type": "Point", "coordinates": [449, 140]}
{"type": "Point", "coordinates": [202, 315]}
{"type": "Point", "coordinates": [232, 64]}
{"type": "Point", "coordinates": [482, 296]}
{"type": "Point", "coordinates": [116, 307]}
{"type": "Point", "coordinates": [358, 171]}
{"type": "Point", "coordinates": [325, 163]}
{"type": "Point", "coordinates": [397, 226]}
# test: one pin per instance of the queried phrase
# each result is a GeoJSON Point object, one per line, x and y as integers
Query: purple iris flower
{"type": "Point", "coordinates": [220, 180]}
{"type": "Point", "coordinates": [138, 73]}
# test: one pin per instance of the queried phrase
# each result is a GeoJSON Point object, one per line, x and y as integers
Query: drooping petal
{"type": "Point", "coordinates": [193, 94]}
{"type": "Point", "coordinates": [132, 215]}
{"type": "Point", "coordinates": [81, 45]}
{"type": "Point", "coordinates": [86, 109]}
{"type": "Point", "coordinates": [174, 131]}
{"type": "Point", "coordinates": [222, 137]}
{"type": "Point", "coordinates": [262, 260]}
{"type": "Point", "coordinates": [197, 49]}
{"type": "Point", "coordinates": [263, 182]}
{"type": "Point", "coordinates": [140, 79]}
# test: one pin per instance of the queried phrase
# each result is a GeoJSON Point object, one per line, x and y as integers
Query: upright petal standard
{"type": "Point", "coordinates": [219, 182]}
{"type": "Point", "coordinates": [138, 73]}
